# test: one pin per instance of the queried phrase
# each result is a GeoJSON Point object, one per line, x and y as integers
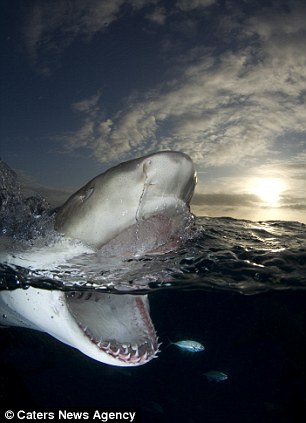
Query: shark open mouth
{"type": "Point", "coordinates": [119, 325]}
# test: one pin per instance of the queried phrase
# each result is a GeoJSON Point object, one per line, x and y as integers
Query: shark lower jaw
{"type": "Point", "coordinates": [119, 326]}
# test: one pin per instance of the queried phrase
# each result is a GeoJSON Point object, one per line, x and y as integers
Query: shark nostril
{"type": "Point", "coordinates": [146, 166]}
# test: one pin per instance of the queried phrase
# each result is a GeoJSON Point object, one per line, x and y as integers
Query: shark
{"type": "Point", "coordinates": [141, 206]}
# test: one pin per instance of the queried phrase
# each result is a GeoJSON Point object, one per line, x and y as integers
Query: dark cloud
{"type": "Point", "coordinates": [222, 199]}
{"type": "Point", "coordinates": [53, 25]}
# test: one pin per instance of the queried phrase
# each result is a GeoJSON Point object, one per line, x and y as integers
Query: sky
{"type": "Point", "coordinates": [87, 84]}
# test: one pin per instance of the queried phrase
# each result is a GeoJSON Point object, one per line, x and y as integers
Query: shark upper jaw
{"type": "Point", "coordinates": [128, 340]}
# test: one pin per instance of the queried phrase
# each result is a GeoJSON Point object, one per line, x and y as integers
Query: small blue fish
{"type": "Point", "coordinates": [188, 345]}
{"type": "Point", "coordinates": [215, 376]}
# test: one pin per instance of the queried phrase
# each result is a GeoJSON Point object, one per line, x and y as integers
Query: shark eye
{"type": "Point", "coordinates": [88, 193]}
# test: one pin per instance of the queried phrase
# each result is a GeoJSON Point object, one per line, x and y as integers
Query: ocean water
{"type": "Point", "coordinates": [238, 287]}
{"type": "Point", "coordinates": [235, 286]}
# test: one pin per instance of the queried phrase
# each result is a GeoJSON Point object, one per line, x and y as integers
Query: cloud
{"type": "Point", "coordinates": [223, 106]}
{"type": "Point", "coordinates": [289, 20]}
{"type": "Point", "coordinates": [53, 25]}
{"type": "Point", "coordinates": [224, 199]}
{"type": "Point", "coordinates": [87, 106]}
{"type": "Point", "coordinates": [158, 15]}
{"type": "Point", "coordinates": [187, 5]}
{"type": "Point", "coordinates": [220, 113]}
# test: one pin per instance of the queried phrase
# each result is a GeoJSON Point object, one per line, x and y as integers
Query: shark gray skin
{"type": "Point", "coordinates": [140, 206]}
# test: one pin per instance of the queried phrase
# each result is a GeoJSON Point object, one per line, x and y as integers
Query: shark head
{"type": "Point", "coordinates": [158, 185]}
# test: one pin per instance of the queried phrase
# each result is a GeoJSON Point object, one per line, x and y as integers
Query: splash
{"type": "Point", "coordinates": [223, 254]}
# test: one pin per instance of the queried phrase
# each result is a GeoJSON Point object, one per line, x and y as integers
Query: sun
{"type": "Point", "coordinates": [268, 189]}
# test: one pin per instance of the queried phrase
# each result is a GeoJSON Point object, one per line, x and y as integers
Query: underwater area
{"type": "Point", "coordinates": [237, 287]}
{"type": "Point", "coordinates": [258, 341]}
